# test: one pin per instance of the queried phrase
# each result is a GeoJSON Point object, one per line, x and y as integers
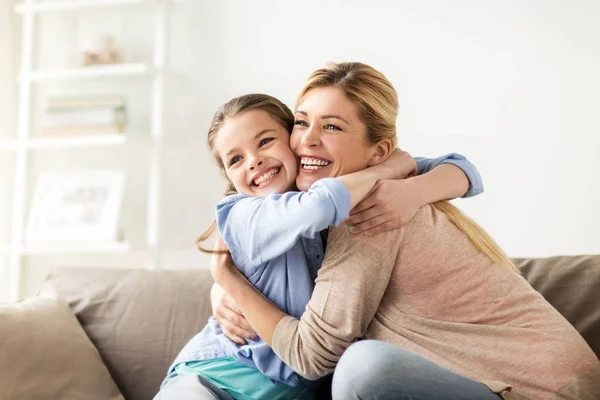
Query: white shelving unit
{"type": "Point", "coordinates": [25, 143]}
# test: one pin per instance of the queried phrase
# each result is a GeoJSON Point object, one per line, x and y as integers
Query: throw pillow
{"type": "Point", "coordinates": [44, 354]}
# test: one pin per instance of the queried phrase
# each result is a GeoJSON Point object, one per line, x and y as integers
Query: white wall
{"type": "Point", "coordinates": [513, 85]}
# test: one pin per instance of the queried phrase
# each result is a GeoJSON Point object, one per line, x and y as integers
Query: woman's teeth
{"type": "Point", "coordinates": [266, 176]}
{"type": "Point", "coordinates": [313, 163]}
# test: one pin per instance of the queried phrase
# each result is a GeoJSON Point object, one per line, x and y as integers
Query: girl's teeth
{"type": "Point", "coordinates": [262, 179]}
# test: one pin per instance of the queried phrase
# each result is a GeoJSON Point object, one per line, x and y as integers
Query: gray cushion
{"type": "Point", "coordinates": [572, 285]}
{"type": "Point", "coordinates": [137, 319]}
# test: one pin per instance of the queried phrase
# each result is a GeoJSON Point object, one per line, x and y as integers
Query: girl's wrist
{"type": "Point", "coordinates": [420, 189]}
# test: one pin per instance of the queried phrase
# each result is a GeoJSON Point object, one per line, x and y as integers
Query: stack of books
{"type": "Point", "coordinates": [68, 116]}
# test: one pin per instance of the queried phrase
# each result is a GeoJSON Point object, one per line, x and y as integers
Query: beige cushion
{"type": "Point", "coordinates": [572, 285]}
{"type": "Point", "coordinates": [137, 319]}
{"type": "Point", "coordinates": [44, 354]}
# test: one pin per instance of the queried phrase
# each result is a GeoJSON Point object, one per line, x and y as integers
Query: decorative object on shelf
{"type": "Point", "coordinates": [102, 50]}
{"type": "Point", "coordinates": [84, 115]}
{"type": "Point", "coordinates": [76, 208]}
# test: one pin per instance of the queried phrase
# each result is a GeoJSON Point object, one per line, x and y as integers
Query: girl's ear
{"type": "Point", "coordinates": [382, 151]}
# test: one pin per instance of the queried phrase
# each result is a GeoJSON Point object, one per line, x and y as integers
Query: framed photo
{"type": "Point", "coordinates": [76, 207]}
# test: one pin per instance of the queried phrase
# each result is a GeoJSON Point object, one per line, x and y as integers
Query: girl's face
{"type": "Point", "coordinates": [256, 154]}
{"type": "Point", "coordinates": [328, 137]}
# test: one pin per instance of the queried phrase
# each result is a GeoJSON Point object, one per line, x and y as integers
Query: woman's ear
{"type": "Point", "coordinates": [383, 149]}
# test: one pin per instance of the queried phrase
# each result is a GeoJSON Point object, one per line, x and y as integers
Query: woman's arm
{"type": "Point", "coordinates": [258, 229]}
{"type": "Point", "coordinates": [348, 291]}
{"type": "Point", "coordinates": [393, 203]}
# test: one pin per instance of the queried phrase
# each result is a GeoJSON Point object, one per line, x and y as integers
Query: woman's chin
{"type": "Point", "coordinates": [305, 181]}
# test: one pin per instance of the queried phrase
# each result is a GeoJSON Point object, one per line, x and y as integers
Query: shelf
{"type": "Point", "coordinates": [65, 5]}
{"type": "Point", "coordinates": [99, 71]}
{"type": "Point", "coordinates": [107, 139]}
{"type": "Point", "coordinates": [113, 139]}
{"type": "Point", "coordinates": [75, 249]}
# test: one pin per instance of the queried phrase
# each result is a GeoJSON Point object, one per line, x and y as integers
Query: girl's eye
{"type": "Point", "coordinates": [265, 141]}
{"type": "Point", "coordinates": [299, 122]}
{"type": "Point", "coordinates": [332, 127]}
{"type": "Point", "coordinates": [235, 160]}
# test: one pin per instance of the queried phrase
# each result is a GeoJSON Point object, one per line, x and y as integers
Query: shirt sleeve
{"type": "Point", "coordinates": [347, 294]}
{"type": "Point", "coordinates": [262, 228]}
{"type": "Point", "coordinates": [425, 165]}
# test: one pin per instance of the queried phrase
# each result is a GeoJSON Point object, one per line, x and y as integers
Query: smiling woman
{"type": "Point", "coordinates": [437, 296]}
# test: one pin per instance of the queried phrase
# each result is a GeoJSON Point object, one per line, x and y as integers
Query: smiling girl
{"type": "Point", "coordinates": [273, 234]}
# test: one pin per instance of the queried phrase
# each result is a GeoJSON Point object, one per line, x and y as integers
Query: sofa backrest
{"type": "Point", "coordinates": [140, 319]}
{"type": "Point", "coordinates": [572, 285]}
{"type": "Point", "coordinates": [137, 319]}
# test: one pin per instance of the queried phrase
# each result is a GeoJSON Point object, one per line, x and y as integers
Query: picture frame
{"type": "Point", "coordinates": [76, 207]}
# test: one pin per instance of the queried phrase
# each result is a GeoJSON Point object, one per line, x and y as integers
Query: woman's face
{"type": "Point", "coordinates": [256, 154]}
{"type": "Point", "coordinates": [328, 137]}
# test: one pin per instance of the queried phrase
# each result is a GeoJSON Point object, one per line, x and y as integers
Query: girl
{"type": "Point", "coordinates": [272, 232]}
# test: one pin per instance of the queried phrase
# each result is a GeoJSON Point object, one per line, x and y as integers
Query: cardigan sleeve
{"type": "Point", "coordinates": [348, 289]}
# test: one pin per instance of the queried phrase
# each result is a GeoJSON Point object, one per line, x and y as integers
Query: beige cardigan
{"type": "Point", "coordinates": [427, 289]}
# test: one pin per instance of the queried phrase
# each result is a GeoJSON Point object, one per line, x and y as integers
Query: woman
{"type": "Point", "coordinates": [450, 315]}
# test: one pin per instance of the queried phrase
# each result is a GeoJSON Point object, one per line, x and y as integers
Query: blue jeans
{"type": "Point", "coordinates": [376, 370]}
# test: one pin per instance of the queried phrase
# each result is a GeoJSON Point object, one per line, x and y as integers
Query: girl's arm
{"type": "Point", "coordinates": [260, 229]}
{"type": "Point", "coordinates": [393, 203]}
{"type": "Point", "coordinates": [463, 180]}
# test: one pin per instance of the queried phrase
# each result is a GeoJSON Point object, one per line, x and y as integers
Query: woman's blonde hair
{"type": "Point", "coordinates": [377, 103]}
{"type": "Point", "coordinates": [234, 107]}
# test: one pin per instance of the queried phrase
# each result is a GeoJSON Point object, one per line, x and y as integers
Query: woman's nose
{"type": "Point", "coordinates": [311, 137]}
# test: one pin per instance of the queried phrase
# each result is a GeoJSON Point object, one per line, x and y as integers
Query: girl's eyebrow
{"type": "Point", "coordinates": [324, 116]}
{"type": "Point", "coordinates": [259, 134]}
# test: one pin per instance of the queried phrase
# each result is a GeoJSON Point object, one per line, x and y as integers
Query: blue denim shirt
{"type": "Point", "coordinates": [275, 242]}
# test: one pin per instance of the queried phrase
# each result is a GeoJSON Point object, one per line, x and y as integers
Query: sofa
{"type": "Point", "coordinates": [109, 334]}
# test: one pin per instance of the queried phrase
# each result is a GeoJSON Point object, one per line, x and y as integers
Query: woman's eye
{"type": "Point", "coordinates": [299, 122]}
{"type": "Point", "coordinates": [265, 141]}
{"type": "Point", "coordinates": [235, 160]}
{"type": "Point", "coordinates": [332, 127]}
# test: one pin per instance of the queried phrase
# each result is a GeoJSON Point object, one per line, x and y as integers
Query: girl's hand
{"type": "Point", "coordinates": [391, 204]}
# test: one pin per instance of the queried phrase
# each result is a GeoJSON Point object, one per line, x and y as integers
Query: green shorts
{"type": "Point", "coordinates": [243, 382]}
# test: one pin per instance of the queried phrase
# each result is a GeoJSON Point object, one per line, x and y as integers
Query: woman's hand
{"type": "Point", "coordinates": [391, 204]}
{"type": "Point", "coordinates": [230, 317]}
{"type": "Point", "coordinates": [225, 310]}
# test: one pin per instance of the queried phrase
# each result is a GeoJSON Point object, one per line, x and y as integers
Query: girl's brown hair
{"type": "Point", "coordinates": [249, 102]}
{"type": "Point", "coordinates": [377, 103]}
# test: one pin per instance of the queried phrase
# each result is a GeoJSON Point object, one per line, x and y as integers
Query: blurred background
{"type": "Point", "coordinates": [105, 106]}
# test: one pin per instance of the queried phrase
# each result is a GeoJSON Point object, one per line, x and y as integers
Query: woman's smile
{"type": "Point", "coordinates": [312, 164]}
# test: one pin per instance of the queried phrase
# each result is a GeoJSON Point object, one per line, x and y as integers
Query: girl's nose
{"type": "Point", "coordinates": [256, 162]}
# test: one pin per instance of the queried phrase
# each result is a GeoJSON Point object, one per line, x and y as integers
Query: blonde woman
{"type": "Point", "coordinates": [448, 314]}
